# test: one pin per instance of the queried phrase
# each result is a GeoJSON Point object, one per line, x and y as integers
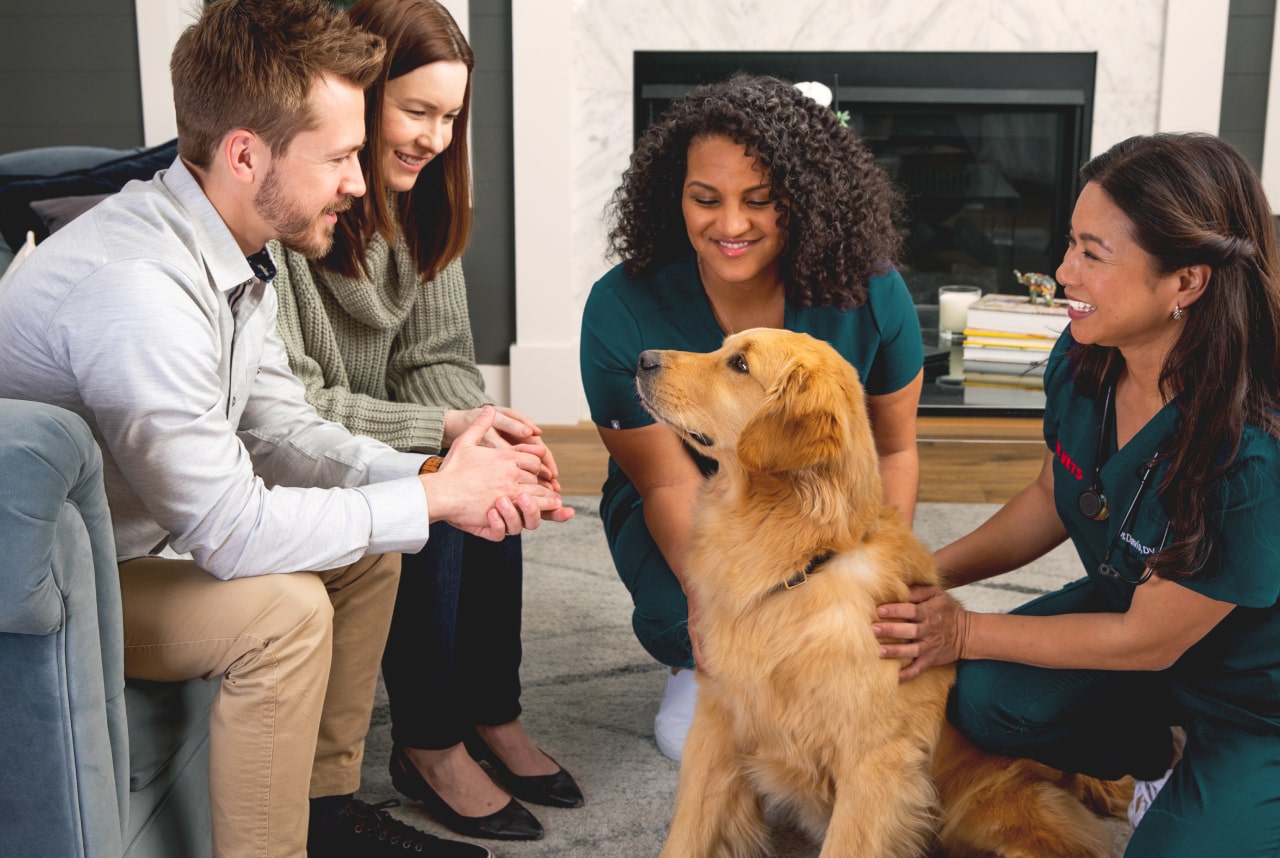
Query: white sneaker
{"type": "Point", "coordinates": [675, 712]}
{"type": "Point", "coordinates": [1145, 792]}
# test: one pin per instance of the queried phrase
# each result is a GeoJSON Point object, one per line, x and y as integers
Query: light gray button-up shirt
{"type": "Point", "coordinates": [210, 447]}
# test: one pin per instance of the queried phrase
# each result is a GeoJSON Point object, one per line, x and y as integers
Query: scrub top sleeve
{"type": "Point", "coordinates": [901, 353]}
{"type": "Point", "coordinates": [610, 344]}
{"type": "Point", "coordinates": [1244, 568]}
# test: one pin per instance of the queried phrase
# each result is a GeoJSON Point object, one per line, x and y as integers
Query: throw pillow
{"type": "Point", "coordinates": [18, 192]}
{"type": "Point", "coordinates": [60, 211]}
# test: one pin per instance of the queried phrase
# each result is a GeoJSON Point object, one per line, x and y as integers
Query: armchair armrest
{"type": "Point", "coordinates": [49, 459]}
{"type": "Point", "coordinates": [64, 785]}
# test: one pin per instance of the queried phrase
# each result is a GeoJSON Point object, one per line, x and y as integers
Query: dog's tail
{"type": "Point", "coordinates": [1020, 808]}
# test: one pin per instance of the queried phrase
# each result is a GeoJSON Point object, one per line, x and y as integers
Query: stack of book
{"type": "Point", "coordinates": [1007, 340]}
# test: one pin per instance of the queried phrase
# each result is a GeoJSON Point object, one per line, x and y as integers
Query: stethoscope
{"type": "Point", "coordinates": [1093, 505]}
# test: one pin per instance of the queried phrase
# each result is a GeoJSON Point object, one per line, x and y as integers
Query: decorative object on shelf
{"type": "Point", "coordinates": [1041, 287]}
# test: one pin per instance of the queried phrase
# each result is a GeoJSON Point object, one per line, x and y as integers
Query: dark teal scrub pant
{"type": "Point", "coordinates": [661, 615]}
{"type": "Point", "coordinates": [1224, 796]}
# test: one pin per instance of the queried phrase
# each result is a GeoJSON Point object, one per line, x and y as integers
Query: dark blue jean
{"type": "Point", "coordinates": [453, 654]}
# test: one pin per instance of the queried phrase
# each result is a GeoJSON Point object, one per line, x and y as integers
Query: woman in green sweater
{"type": "Point", "coordinates": [378, 332]}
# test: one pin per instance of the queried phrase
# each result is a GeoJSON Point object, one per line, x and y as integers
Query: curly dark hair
{"type": "Point", "coordinates": [839, 210]}
{"type": "Point", "coordinates": [1193, 199]}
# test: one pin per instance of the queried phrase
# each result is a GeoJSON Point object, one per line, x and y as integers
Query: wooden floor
{"type": "Point", "coordinates": [962, 459]}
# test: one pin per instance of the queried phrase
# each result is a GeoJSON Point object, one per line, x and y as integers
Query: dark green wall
{"type": "Point", "coordinates": [490, 261]}
{"type": "Point", "coordinates": [70, 72]}
{"type": "Point", "coordinates": [1246, 76]}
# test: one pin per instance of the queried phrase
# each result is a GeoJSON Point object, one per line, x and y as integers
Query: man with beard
{"type": "Point", "coordinates": [256, 542]}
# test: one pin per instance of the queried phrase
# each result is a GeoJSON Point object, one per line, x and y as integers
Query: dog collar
{"type": "Point", "coordinates": [803, 575]}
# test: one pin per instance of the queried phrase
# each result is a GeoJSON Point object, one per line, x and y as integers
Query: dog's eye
{"type": "Point", "coordinates": [738, 363]}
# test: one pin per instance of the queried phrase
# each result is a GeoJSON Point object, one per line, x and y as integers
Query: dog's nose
{"type": "Point", "coordinates": [649, 361]}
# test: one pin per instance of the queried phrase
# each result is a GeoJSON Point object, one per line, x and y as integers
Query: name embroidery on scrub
{"type": "Point", "coordinates": [1137, 546]}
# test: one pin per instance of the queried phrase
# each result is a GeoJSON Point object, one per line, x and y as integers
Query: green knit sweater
{"type": "Point", "coordinates": [384, 356]}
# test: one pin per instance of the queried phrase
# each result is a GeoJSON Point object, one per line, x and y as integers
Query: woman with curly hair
{"type": "Point", "coordinates": [1162, 423]}
{"type": "Point", "coordinates": [747, 205]}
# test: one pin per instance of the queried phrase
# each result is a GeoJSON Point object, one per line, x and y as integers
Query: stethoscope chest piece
{"type": "Point", "coordinates": [1093, 504]}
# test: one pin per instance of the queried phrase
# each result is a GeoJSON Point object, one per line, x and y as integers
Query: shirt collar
{"type": "Point", "coordinates": [225, 263]}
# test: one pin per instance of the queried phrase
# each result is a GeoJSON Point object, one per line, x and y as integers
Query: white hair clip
{"type": "Point", "coordinates": [819, 92]}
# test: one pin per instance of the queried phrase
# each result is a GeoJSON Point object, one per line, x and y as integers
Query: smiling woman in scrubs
{"type": "Point", "coordinates": [1163, 468]}
{"type": "Point", "coordinates": [747, 205]}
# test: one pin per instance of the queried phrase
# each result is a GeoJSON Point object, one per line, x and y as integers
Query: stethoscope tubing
{"type": "Point", "coordinates": [1093, 504]}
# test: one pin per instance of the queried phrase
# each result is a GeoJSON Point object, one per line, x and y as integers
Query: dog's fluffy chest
{"type": "Point", "coordinates": [799, 606]}
{"type": "Point", "coordinates": [789, 647]}
{"type": "Point", "coordinates": [800, 687]}
{"type": "Point", "coordinates": [775, 655]}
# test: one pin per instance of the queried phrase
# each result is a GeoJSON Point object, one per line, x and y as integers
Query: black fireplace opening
{"type": "Point", "coordinates": [985, 146]}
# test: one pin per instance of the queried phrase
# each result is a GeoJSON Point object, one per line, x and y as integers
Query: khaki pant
{"type": "Point", "coordinates": [298, 658]}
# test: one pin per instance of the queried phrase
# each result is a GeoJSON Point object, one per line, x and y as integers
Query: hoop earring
{"type": "Point", "coordinates": [1177, 313]}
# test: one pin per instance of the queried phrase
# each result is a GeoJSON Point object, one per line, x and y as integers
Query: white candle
{"type": "Point", "coordinates": [953, 306]}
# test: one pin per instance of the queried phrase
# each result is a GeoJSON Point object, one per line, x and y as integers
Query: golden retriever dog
{"type": "Point", "coordinates": [794, 547]}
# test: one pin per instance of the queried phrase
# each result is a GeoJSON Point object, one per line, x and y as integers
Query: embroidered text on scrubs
{"type": "Point", "coordinates": [1072, 467]}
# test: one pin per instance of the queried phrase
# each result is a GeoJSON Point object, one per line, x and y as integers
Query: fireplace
{"type": "Point", "coordinates": [985, 147]}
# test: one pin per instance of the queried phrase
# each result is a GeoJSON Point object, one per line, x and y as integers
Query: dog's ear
{"type": "Point", "coordinates": [802, 423]}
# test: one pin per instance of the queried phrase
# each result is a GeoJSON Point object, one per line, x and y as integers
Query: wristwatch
{"type": "Point", "coordinates": [431, 465]}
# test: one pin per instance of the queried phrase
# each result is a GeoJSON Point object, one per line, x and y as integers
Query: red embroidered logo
{"type": "Point", "coordinates": [1072, 468]}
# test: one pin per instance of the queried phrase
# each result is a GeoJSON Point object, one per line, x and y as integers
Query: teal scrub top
{"type": "Point", "coordinates": [1233, 673]}
{"type": "Point", "coordinates": [670, 310]}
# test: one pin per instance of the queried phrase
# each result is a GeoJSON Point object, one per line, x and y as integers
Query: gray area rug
{"type": "Point", "coordinates": [591, 691]}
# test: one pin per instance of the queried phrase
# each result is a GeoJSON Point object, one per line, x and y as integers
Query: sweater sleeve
{"type": "Point", "coordinates": [433, 357]}
{"type": "Point", "coordinates": [308, 338]}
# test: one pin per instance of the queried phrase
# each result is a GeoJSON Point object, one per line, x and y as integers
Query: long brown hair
{"type": "Point", "coordinates": [1192, 199]}
{"type": "Point", "coordinates": [436, 214]}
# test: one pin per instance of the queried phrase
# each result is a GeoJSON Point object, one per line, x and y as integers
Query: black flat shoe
{"type": "Point", "coordinates": [512, 822]}
{"type": "Point", "coordinates": [554, 790]}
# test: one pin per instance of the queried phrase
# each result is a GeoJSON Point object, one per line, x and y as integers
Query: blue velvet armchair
{"type": "Point", "coordinates": [92, 765]}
